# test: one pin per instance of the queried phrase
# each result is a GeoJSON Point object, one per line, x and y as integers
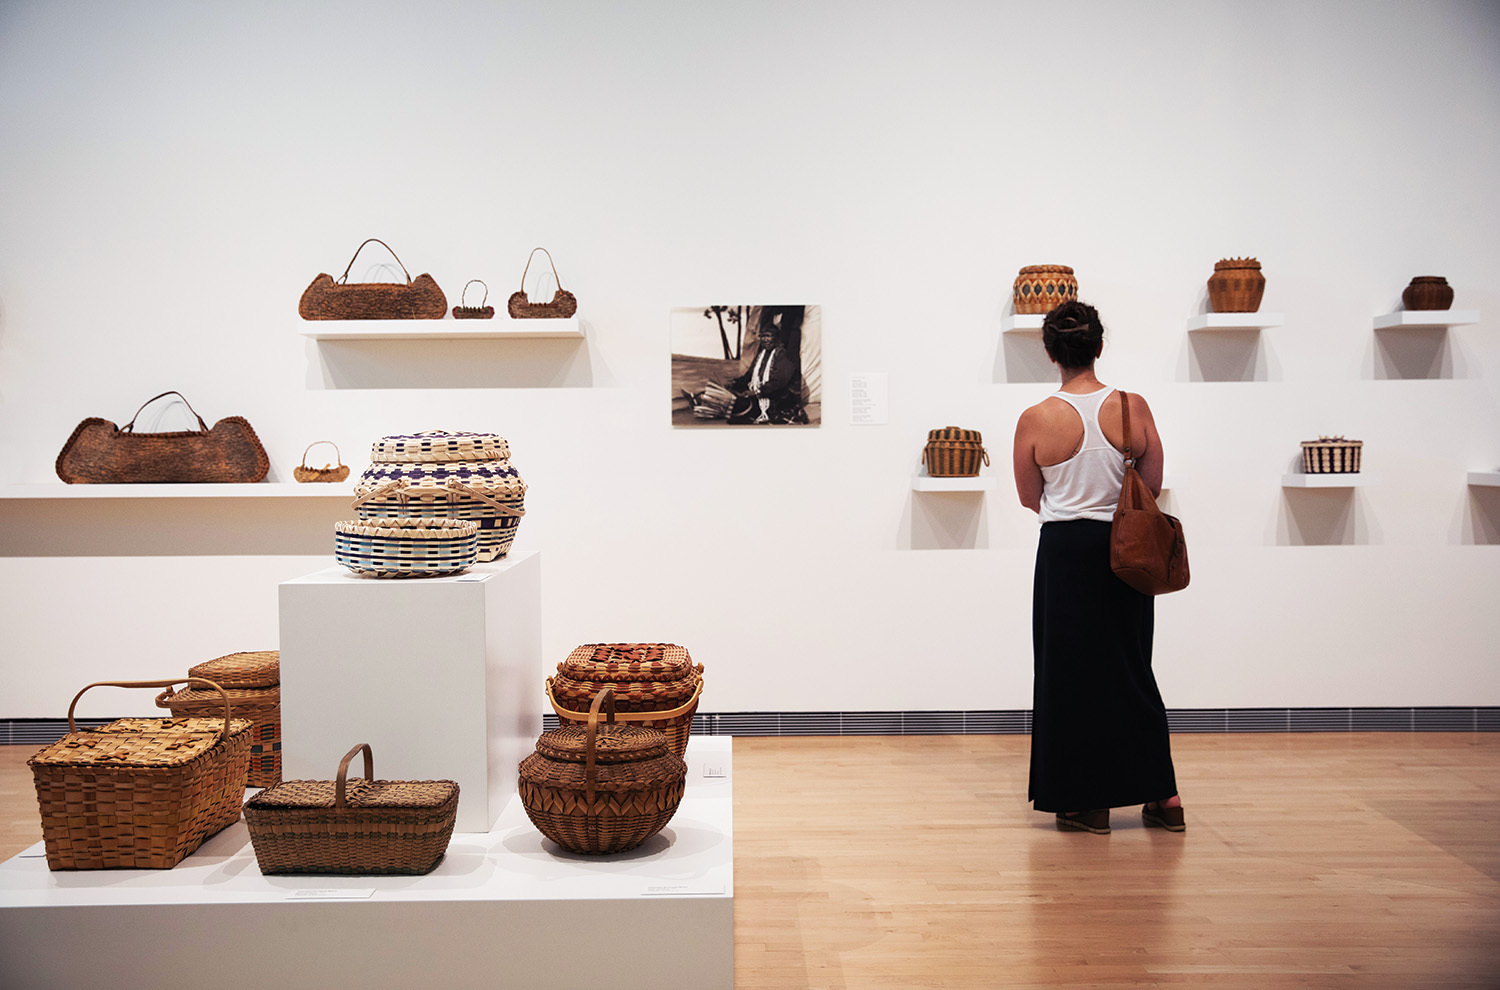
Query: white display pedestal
{"type": "Point", "coordinates": [506, 909]}
{"type": "Point", "coordinates": [441, 676]}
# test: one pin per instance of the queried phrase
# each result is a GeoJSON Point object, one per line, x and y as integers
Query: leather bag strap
{"type": "Point", "coordinates": [1125, 424]}
{"type": "Point", "coordinates": [345, 277]}
{"type": "Point", "coordinates": [130, 426]}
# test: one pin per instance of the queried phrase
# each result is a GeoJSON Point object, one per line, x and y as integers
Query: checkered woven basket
{"type": "Point", "coordinates": [261, 706]}
{"type": "Point", "coordinates": [1331, 455]}
{"type": "Point", "coordinates": [405, 547]}
{"type": "Point", "coordinates": [954, 453]}
{"type": "Point", "coordinates": [653, 684]}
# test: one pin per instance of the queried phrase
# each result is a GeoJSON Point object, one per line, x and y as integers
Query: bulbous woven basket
{"type": "Point", "coordinates": [1040, 288]}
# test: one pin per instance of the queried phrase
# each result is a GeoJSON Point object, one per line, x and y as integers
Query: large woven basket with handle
{"type": "Point", "coordinates": [140, 793]}
{"type": "Point", "coordinates": [654, 684]}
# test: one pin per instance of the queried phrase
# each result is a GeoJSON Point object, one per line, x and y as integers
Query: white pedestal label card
{"type": "Point", "coordinates": [747, 366]}
{"type": "Point", "coordinates": [869, 398]}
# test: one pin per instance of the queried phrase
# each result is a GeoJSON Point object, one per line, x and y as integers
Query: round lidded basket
{"type": "Point", "coordinates": [1236, 286]}
{"type": "Point", "coordinates": [1427, 292]}
{"type": "Point", "coordinates": [1331, 455]}
{"type": "Point", "coordinates": [252, 669]}
{"type": "Point", "coordinates": [1040, 288]}
{"type": "Point", "coordinates": [953, 452]}
{"type": "Point", "coordinates": [446, 475]}
{"type": "Point", "coordinates": [601, 788]}
{"type": "Point", "coordinates": [652, 684]}
{"type": "Point", "coordinates": [406, 547]}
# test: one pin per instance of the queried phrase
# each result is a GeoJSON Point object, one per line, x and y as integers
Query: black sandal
{"type": "Point", "coordinates": [1171, 819]}
{"type": "Point", "coordinates": [1096, 822]}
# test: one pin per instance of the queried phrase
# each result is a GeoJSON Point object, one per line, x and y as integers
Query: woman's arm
{"type": "Point", "coordinates": [1150, 462]}
{"type": "Point", "coordinates": [1029, 479]}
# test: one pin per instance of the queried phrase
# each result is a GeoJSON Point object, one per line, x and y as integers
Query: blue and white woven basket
{"type": "Point", "coordinates": [447, 476]}
{"type": "Point", "coordinates": [406, 547]}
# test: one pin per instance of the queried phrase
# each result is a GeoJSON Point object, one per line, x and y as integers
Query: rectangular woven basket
{"type": "Point", "coordinates": [262, 706]}
{"type": "Point", "coordinates": [139, 792]}
{"type": "Point", "coordinates": [1333, 455]}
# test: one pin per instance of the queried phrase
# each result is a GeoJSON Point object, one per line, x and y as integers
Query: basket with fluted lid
{"type": "Point", "coordinates": [953, 452]}
{"type": "Point", "coordinates": [437, 474]}
{"type": "Point", "coordinates": [654, 684]}
{"type": "Point", "coordinates": [1331, 455]}
{"type": "Point", "coordinates": [602, 786]}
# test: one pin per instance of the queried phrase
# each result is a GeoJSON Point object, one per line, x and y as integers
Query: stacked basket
{"type": "Point", "coordinates": [654, 685]}
{"type": "Point", "coordinates": [252, 683]}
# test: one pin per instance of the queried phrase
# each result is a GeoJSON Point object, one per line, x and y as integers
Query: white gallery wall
{"type": "Point", "coordinates": [173, 174]}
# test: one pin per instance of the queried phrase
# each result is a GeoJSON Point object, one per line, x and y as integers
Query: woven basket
{"type": "Point", "coordinates": [99, 452]}
{"type": "Point", "coordinates": [480, 312]}
{"type": "Point", "coordinates": [361, 827]}
{"type": "Point", "coordinates": [563, 304]}
{"type": "Point", "coordinates": [1236, 286]}
{"type": "Point", "coordinates": [449, 476]}
{"type": "Point", "coordinates": [1427, 292]}
{"type": "Point", "coordinates": [406, 547]}
{"type": "Point", "coordinates": [1040, 288]}
{"type": "Point", "coordinates": [261, 705]}
{"type": "Point", "coordinates": [601, 788]}
{"type": "Point", "coordinates": [252, 669]}
{"type": "Point", "coordinates": [654, 684]}
{"type": "Point", "coordinates": [326, 473]}
{"type": "Point", "coordinates": [1331, 455]}
{"type": "Point", "coordinates": [140, 793]}
{"type": "Point", "coordinates": [415, 299]}
{"type": "Point", "coordinates": [954, 453]}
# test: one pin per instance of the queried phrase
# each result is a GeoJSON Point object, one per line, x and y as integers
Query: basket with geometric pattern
{"type": "Point", "coordinates": [1331, 455]}
{"type": "Point", "coordinates": [954, 453]}
{"type": "Point", "coordinates": [261, 705]}
{"type": "Point", "coordinates": [653, 684]}
{"type": "Point", "coordinates": [406, 547]}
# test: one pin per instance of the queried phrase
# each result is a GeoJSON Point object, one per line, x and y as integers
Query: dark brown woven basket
{"type": "Point", "coordinates": [360, 827]}
{"type": "Point", "coordinates": [140, 793]}
{"type": "Point", "coordinates": [952, 452]}
{"type": "Point", "coordinates": [101, 453]}
{"type": "Point", "coordinates": [261, 705]}
{"type": "Point", "coordinates": [416, 299]}
{"type": "Point", "coordinates": [480, 312]}
{"type": "Point", "coordinates": [654, 684]}
{"type": "Point", "coordinates": [601, 788]}
{"type": "Point", "coordinates": [1427, 292]}
{"type": "Point", "coordinates": [1236, 286]}
{"type": "Point", "coordinates": [329, 473]}
{"type": "Point", "coordinates": [563, 304]}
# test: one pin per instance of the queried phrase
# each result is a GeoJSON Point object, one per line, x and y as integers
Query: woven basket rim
{"type": "Point", "coordinates": [410, 527]}
{"type": "Point", "coordinates": [1046, 270]}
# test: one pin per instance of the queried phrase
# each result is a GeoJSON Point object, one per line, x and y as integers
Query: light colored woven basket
{"type": "Point", "coordinates": [250, 669]}
{"type": "Point", "coordinates": [1040, 288]}
{"type": "Point", "coordinates": [140, 793]}
{"type": "Point", "coordinates": [1331, 455]}
{"type": "Point", "coordinates": [406, 547]}
{"type": "Point", "coordinates": [328, 473]}
{"type": "Point", "coordinates": [361, 827]}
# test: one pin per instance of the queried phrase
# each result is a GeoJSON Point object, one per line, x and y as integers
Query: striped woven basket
{"type": "Point", "coordinates": [405, 547]}
{"type": "Point", "coordinates": [954, 453]}
{"type": "Point", "coordinates": [1331, 455]}
{"type": "Point", "coordinates": [653, 684]}
{"type": "Point", "coordinates": [261, 705]}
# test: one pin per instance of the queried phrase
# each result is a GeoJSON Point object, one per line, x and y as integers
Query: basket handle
{"type": "Point", "coordinates": [403, 490]}
{"type": "Point", "coordinates": [344, 277]}
{"type": "Point", "coordinates": [130, 426]}
{"type": "Point", "coordinates": [555, 277]}
{"type": "Point", "coordinates": [398, 486]}
{"type": "Point", "coordinates": [568, 713]}
{"type": "Point", "coordinates": [337, 456]}
{"type": "Point", "coordinates": [590, 779]}
{"type": "Point", "coordinates": [339, 783]}
{"type": "Point", "coordinates": [454, 485]}
{"type": "Point", "coordinates": [223, 732]}
{"type": "Point", "coordinates": [486, 298]}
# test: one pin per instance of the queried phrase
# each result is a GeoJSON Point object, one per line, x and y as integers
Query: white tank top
{"type": "Point", "coordinates": [1086, 485]}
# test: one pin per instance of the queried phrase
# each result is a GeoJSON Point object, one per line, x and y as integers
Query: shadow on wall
{"type": "Point", "coordinates": [1320, 517]}
{"type": "Point", "coordinates": [1481, 523]}
{"type": "Point", "coordinates": [145, 527]}
{"type": "Point", "coordinates": [418, 364]}
{"type": "Point", "coordinates": [1227, 356]}
{"type": "Point", "coordinates": [1412, 352]}
{"type": "Point", "coordinates": [1022, 358]}
{"type": "Point", "coordinates": [948, 521]}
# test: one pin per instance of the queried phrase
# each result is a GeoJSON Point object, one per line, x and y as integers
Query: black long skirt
{"type": "Point", "coordinates": [1099, 729]}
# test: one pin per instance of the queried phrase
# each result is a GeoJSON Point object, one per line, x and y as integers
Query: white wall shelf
{"type": "Point", "coordinates": [502, 327]}
{"type": "Point", "coordinates": [1354, 480]}
{"type": "Point", "coordinates": [1022, 323]}
{"type": "Point", "coordinates": [1484, 479]}
{"type": "Point", "coordinates": [927, 483]}
{"type": "Point", "coordinates": [1414, 318]}
{"type": "Point", "coordinates": [1235, 321]}
{"type": "Point", "coordinates": [59, 490]}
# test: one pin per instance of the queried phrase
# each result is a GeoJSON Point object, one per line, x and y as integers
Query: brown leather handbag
{"type": "Point", "coordinates": [418, 299]}
{"type": "Point", "coordinates": [1146, 547]}
{"type": "Point", "coordinates": [101, 453]}
{"type": "Point", "coordinates": [563, 304]}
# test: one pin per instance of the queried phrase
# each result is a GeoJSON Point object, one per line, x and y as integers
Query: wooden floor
{"type": "Point", "coordinates": [1323, 861]}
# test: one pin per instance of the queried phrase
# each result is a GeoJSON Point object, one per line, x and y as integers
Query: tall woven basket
{"type": "Point", "coordinates": [954, 453]}
{"type": "Point", "coordinates": [140, 793]}
{"type": "Point", "coordinates": [655, 685]}
{"type": "Point", "coordinates": [601, 787]}
{"type": "Point", "coordinates": [252, 681]}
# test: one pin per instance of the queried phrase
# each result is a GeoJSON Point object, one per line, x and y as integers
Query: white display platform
{"type": "Point", "coordinates": [1426, 318]}
{"type": "Point", "coordinates": [506, 909]}
{"type": "Point", "coordinates": [1235, 321]}
{"type": "Point", "coordinates": [441, 676]}
{"type": "Point", "coordinates": [499, 327]}
{"type": "Point", "coordinates": [976, 483]}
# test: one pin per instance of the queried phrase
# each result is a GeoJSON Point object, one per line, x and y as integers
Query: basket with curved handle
{"type": "Point", "coordinates": [415, 299]}
{"type": "Point", "coordinates": [336, 472]}
{"type": "Point", "coordinates": [223, 732]}
{"type": "Point", "coordinates": [481, 312]}
{"type": "Point", "coordinates": [563, 305]}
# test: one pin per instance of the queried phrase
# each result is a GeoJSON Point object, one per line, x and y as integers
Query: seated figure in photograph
{"type": "Point", "coordinates": [771, 390]}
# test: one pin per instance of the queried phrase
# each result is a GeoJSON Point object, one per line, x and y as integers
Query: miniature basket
{"type": "Point", "coordinates": [260, 703]}
{"type": "Point", "coordinates": [1331, 455]}
{"type": "Point", "coordinates": [480, 312]}
{"type": "Point", "coordinates": [360, 827]}
{"type": "Point", "coordinates": [406, 547]}
{"type": "Point", "coordinates": [653, 684]}
{"type": "Point", "coordinates": [601, 788]}
{"type": "Point", "coordinates": [331, 473]}
{"type": "Point", "coordinates": [1040, 288]}
{"type": "Point", "coordinates": [446, 475]}
{"type": "Point", "coordinates": [954, 453]}
{"type": "Point", "coordinates": [140, 793]}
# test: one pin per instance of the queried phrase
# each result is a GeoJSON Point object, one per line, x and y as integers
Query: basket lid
{"type": "Point", "coordinates": [956, 434]}
{"type": "Point", "coordinates": [434, 446]}
{"type": "Point", "coordinates": [260, 668]}
{"type": "Point", "coordinates": [425, 528]}
{"type": "Point", "coordinates": [627, 663]}
{"type": "Point", "coordinates": [1332, 442]}
{"type": "Point", "coordinates": [1046, 270]}
{"type": "Point", "coordinates": [206, 700]}
{"type": "Point", "coordinates": [616, 742]}
{"type": "Point", "coordinates": [358, 793]}
{"type": "Point", "coordinates": [140, 743]}
{"type": "Point", "coordinates": [1227, 264]}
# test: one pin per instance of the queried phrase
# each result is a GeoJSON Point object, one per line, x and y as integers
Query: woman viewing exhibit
{"type": "Point", "coordinates": [1099, 735]}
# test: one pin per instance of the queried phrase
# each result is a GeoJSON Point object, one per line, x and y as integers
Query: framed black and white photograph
{"type": "Point", "coordinates": [747, 366]}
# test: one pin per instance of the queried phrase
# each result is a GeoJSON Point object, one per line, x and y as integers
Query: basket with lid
{"type": "Point", "coordinates": [446, 475]}
{"type": "Point", "coordinates": [1331, 455]}
{"type": "Point", "coordinates": [406, 546]}
{"type": "Point", "coordinates": [252, 680]}
{"type": "Point", "coordinates": [603, 786]}
{"type": "Point", "coordinates": [361, 827]}
{"type": "Point", "coordinates": [140, 793]}
{"type": "Point", "coordinates": [654, 685]}
{"type": "Point", "coordinates": [953, 452]}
